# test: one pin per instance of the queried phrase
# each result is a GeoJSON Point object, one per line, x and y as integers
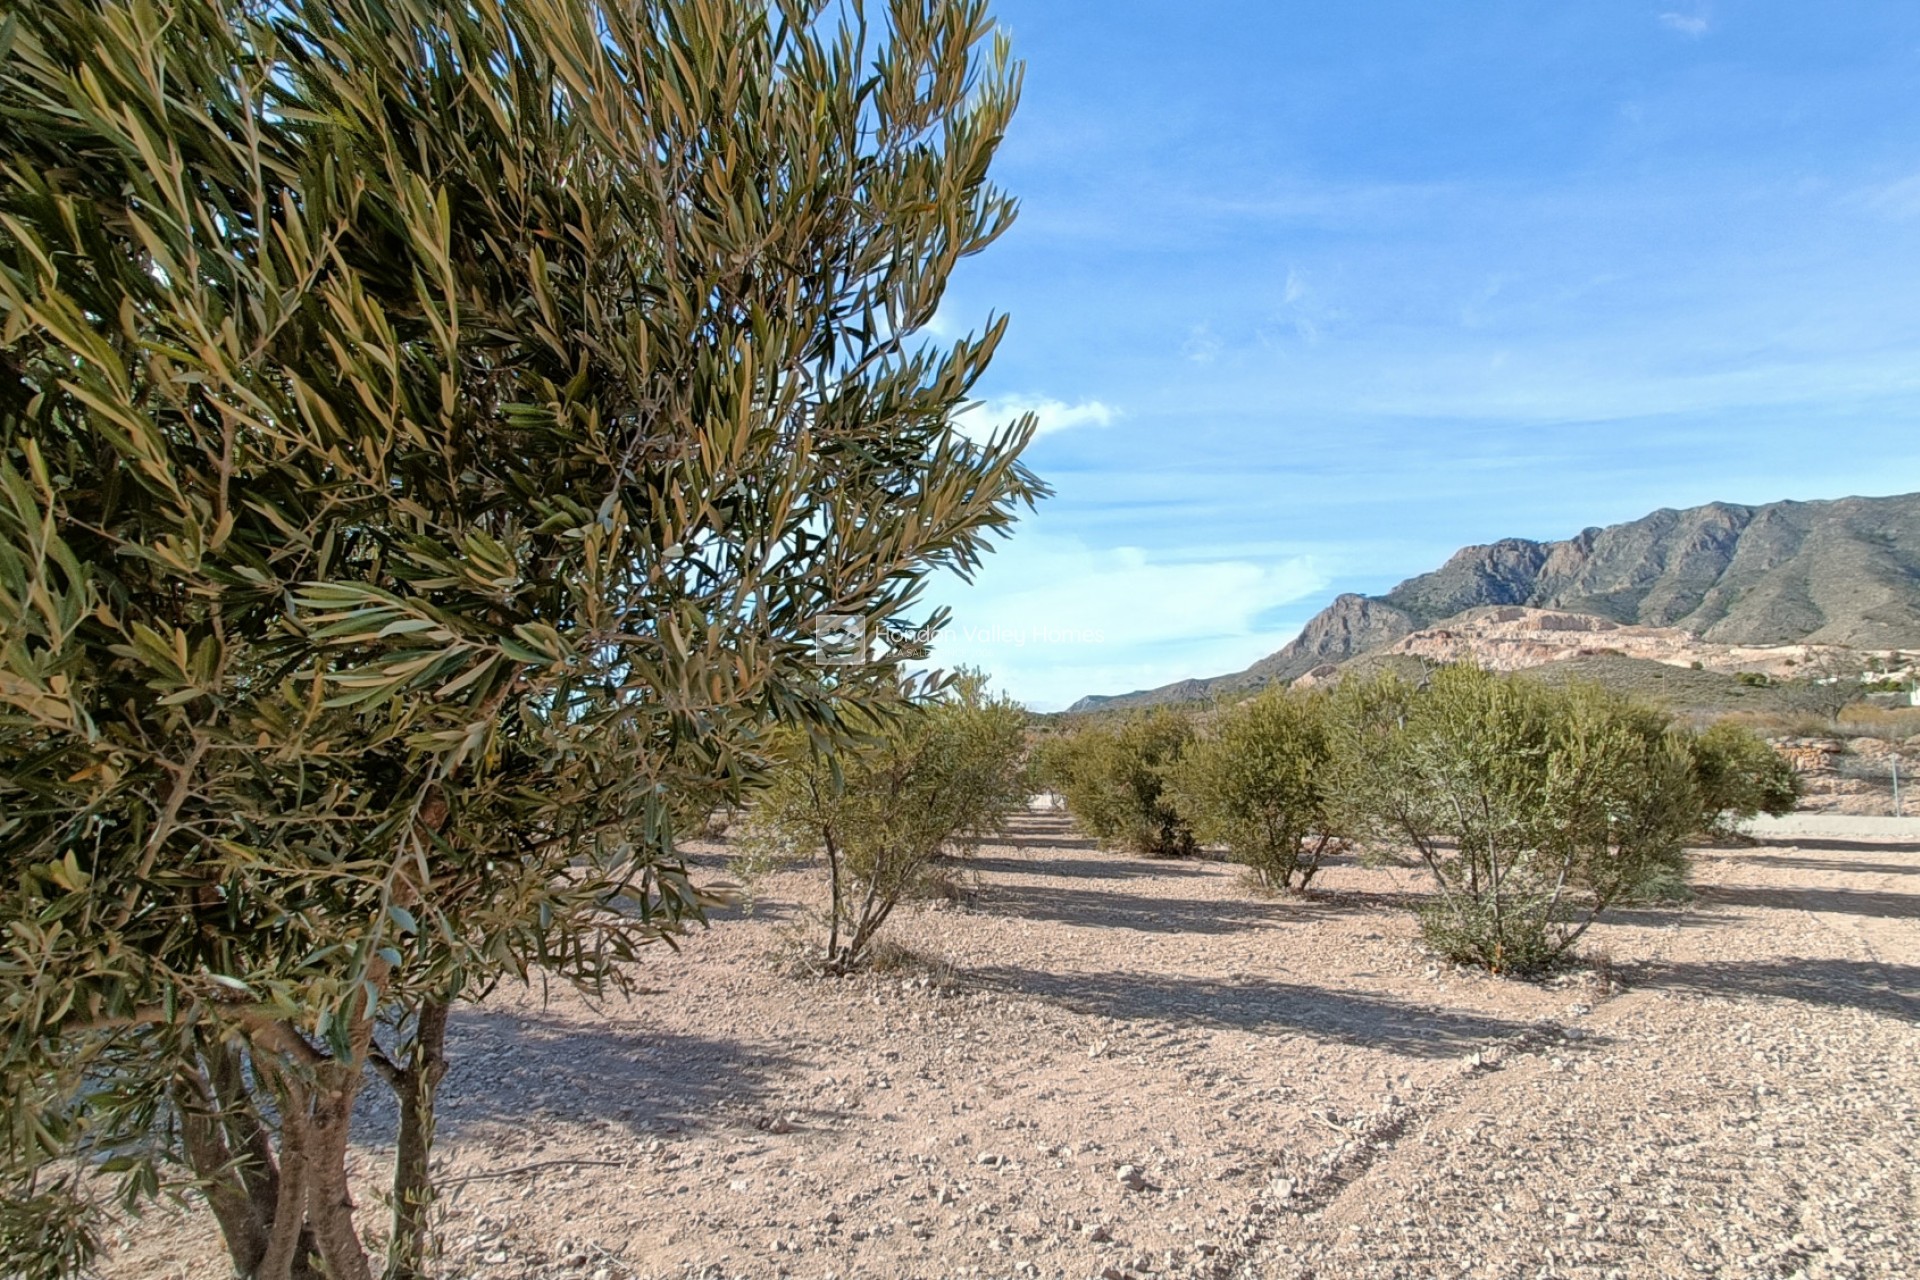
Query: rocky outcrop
{"type": "Point", "coordinates": [1845, 572]}
{"type": "Point", "coordinates": [1351, 624]}
{"type": "Point", "coordinates": [1514, 638]}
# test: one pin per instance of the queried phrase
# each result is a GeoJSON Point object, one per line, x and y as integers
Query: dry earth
{"type": "Point", "coordinates": [1512, 638]}
{"type": "Point", "coordinates": [1105, 1066]}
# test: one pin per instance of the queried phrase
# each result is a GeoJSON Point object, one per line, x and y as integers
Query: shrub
{"type": "Point", "coordinates": [1533, 807]}
{"type": "Point", "coordinates": [1739, 776]}
{"type": "Point", "coordinates": [1113, 775]}
{"type": "Point", "coordinates": [880, 809]}
{"type": "Point", "coordinates": [1258, 780]}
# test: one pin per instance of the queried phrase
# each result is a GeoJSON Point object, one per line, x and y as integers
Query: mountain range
{"type": "Point", "coordinates": [1844, 572]}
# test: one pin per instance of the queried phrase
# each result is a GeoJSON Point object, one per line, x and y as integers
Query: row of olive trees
{"type": "Point", "coordinates": [1533, 808]}
{"type": "Point", "coordinates": [1113, 775]}
{"type": "Point", "coordinates": [429, 431]}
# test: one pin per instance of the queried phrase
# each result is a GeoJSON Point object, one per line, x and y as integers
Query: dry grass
{"type": "Point", "coordinates": [1860, 720]}
{"type": "Point", "coordinates": [1864, 720]}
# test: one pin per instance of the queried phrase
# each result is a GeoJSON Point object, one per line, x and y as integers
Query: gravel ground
{"type": "Point", "coordinates": [1095, 1065]}
{"type": "Point", "coordinates": [1835, 826]}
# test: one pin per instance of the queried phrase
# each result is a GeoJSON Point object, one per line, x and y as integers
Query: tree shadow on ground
{"type": "Point", "coordinates": [1852, 902]}
{"type": "Point", "coordinates": [1850, 984]}
{"type": "Point", "coordinates": [1363, 900]}
{"type": "Point", "coordinates": [1114, 868]}
{"type": "Point", "coordinates": [1045, 831]}
{"type": "Point", "coordinates": [1147, 913]}
{"type": "Point", "coordinates": [1259, 1004]}
{"type": "Point", "coordinates": [1845, 867]}
{"type": "Point", "coordinates": [1692, 914]}
{"type": "Point", "coordinates": [513, 1067]}
{"type": "Point", "coordinates": [1836, 843]}
{"type": "Point", "coordinates": [1046, 840]}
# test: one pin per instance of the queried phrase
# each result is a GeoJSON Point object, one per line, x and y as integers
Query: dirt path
{"type": "Point", "coordinates": [1101, 1065]}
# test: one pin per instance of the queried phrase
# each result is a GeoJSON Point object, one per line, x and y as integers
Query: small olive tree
{"type": "Point", "coordinates": [1738, 776]}
{"type": "Point", "coordinates": [1830, 681]}
{"type": "Point", "coordinates": [934, 777]}
{"type": "Point", "coordinates": [1534, 808]}
{"type": "Point", "coordinates": [1112, 772]}
{"type": "Point", "coordinates": [1259, 779]}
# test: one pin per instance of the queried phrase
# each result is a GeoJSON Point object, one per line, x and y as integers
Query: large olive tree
{"type": "Point", "coordinates": [430, 433]}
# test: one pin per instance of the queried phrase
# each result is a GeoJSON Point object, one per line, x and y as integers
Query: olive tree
{"type": "Point", "coordinates": [1259, 778]}
{"type": "Point", "coordinates": [1534, 808]}
{"type": "Point", "coordinates": [933, 777]}
{"type": "Point", "coordinates": [1738, 776]}
{"type": "Point", "coordinates": [1112, 773]}
{"type": "Point", "coordinates": [431, 435]}
{"type": "Point", "coordinates": [1831, 679]}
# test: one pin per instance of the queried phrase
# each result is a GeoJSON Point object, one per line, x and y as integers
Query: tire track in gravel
{"type": "Point", "coordinates": [1746, 1108]}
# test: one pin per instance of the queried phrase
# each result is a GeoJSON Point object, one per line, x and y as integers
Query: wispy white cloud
{"type": "Point", "coordinates": [1301, 308]}
{"type": "Point", "coordinates": [1474, 313]}
{"type": "Point", "coordinates": [1896, 199]}
{"type": "Point", "coordinates": [1693, 25]}
{"type": "Point", "coordinates": [1061, 619]}
{"type": "Point", "coordinates": [982, 419]}
{"type": "Point", "coordinates": [1202, 345]}
{"type": "Point", "coordinates": [1296, 287]}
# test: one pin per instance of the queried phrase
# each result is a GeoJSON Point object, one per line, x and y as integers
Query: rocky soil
{"type": "Point", "coordinates": [1094, 1065]}
{"type": "Point", "coordinates": [1510, 638]}
{"type": "Point", "coordinates": [1855, 775]}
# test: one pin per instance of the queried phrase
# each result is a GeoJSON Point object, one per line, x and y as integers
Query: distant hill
{"type": "Point", "coordinates": [1843, 572]}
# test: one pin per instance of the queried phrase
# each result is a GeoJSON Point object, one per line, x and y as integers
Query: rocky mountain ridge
{"type": "Point", "coordinates": [1844, 572]}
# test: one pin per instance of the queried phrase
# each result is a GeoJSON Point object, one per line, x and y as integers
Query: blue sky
{"type": "Point", "coordinates": [1308, 295]}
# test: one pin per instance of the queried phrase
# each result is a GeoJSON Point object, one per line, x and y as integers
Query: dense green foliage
{"type": "Point", "coordinates": [931, 779]}
{"type": "Point", "coordinates": [1534, 805]}
{"type": "Point", "coordinates": [1112, 773]}
{"type": "Point", "coordinates": [1534, 808]}
{"type": "Point", "coordinates": [430, 432]}
{"type": "Point", "coordinates": [1259, 779]}
{"type": "Point", "coordinates": [1738, 776]}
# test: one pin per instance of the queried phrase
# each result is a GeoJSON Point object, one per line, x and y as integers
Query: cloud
{"type": "Point", "coordinates": [1691, 25]}
{"type": "Point", "coordinates": [1474, 312]}
{"type": "Point", "coordinates": [1300, 308]}
{"type": "Point", "coordinates": [1201, 346]}
{"type": "Point", "coordinates": [1896, 199]}
{"type": "Point", "coordinates": [1053, 619]}
{"type": "Point", "coordinates": [984, 418]}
